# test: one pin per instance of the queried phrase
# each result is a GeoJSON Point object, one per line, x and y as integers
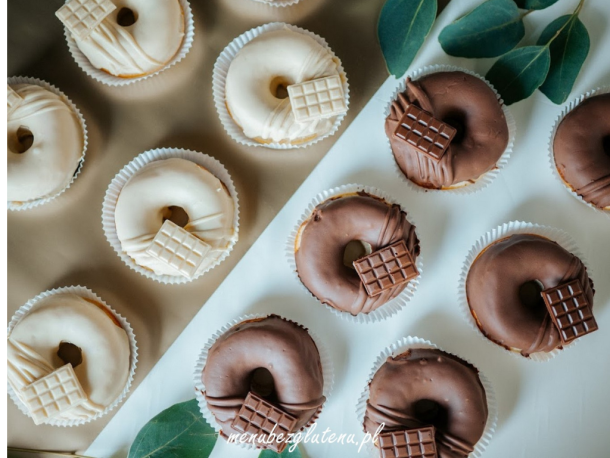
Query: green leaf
{"type": "Point", "coordinates": [177, 432]}
{"type": "Point", "coordinates": [516, 75]}
{"type": "Point", "coordinates": [285, 454]}
{"type": "Point", "coordinates": [490, 30]}
{"type": "Point", "coordinates": [403, 26]}
{"type": "Point", "coordinates": [535, 4]}
{"type": "Point", "coordinates": [568, 53]}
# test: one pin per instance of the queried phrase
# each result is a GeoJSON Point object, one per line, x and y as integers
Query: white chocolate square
{"type": "Point", "coordinates": [319, 98]}
{"type": "Point", "coordinates": [82, 16]}
{"type": "Point", "coordinates": [53, 394]}
{"type": "Point", "coordinates": [12, 99]}
{"type": "Point", "coordinates": [179, 249]}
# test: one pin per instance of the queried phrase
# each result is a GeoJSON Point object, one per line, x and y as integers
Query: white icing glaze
{"type": "Point", "coordinates": [145, 198]}
{"type": "Point", "coordinates": [49, 164]}
{"type": "Point", "coordinates": [285, 55]}
{"type": "Point", "coordinates": [141, 48]}
{"type": "Point", "coordinates": [33, 343]}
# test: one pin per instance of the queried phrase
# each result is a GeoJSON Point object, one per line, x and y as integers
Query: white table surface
{"type": "Point", "coordinates": [555, 409]}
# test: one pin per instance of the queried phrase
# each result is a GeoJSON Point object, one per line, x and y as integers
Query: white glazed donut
{"type": "Point", "coordinates": [276, 58]}
{"type": "Point", "coordinates": [65, 317]}
{"type": "Point", "coordinates": [48, 166]}
{"type": "Point", "coordinates": [139, 49]}
{"type": "Point", "coordinates": [144, 204]}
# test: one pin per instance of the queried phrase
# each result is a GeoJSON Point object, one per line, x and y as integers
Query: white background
{"type": "Point", "coordinates": [555, 409]}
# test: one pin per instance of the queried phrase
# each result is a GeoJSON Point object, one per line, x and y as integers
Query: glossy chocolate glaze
{"type": "Point", "coordinates": [494, 282]}
{"type": "Point", "coordinates": [582, 150]}
{"type": "Point", "coordinates": [282, 347]}
{"type": "Point", "coordinates": [335, 223]}
{"type": "Point", "coordinates": [464, 102]}
{"type": "Point", "coordinates": [424, 387]}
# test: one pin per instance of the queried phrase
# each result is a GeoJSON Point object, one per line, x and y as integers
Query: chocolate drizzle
{"type": "Point", "coordinates": [333, 225]}
{"type": "Point", "coordinates": [432, 375]}
{"type": "Point", "coordinates": [480, 141]}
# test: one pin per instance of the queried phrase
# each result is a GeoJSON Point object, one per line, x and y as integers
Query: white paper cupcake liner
{"type": "Point", "coordinates": [465, 187]}
{"type": "Point", "coordinates": [111, 80]}
{"type": "Point", "coordinates": [116, 185]}
{"type": "Point", "coordinates": [85, 293]}
{"type": "Point", "coordinates": [221, 68]}
{"type": "Point", "coordinates": [502, 232]}
{"type": "Point", "coordinates": [409, 343]}
{"type": "Point", "coordinates": [327, 370]}
{"type": "Point", "coordinates": [567, 109]}
{"type": "Point", "coordinates": [43, 200]}
{"type": "Point", "coordinates": [389, 308]}
{"type": "Point", "coordinates": [278, 4]}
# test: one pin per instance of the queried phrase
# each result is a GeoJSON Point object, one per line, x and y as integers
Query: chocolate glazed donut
{"type": "Point", "coordinates": [334, 224]}
{"type": "Point", "coordinates": [582, 150]}
{"type": "Point", "coordinates": [424, 387]}
{"type": "Point", "coordinates": [495, 291]}
{"type": "Point", "coordinates": [466, 103]}
{"type": "Point", "coordinates": [283, 348]}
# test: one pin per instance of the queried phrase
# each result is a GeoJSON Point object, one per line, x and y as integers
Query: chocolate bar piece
{"type": "Point", "coordinates": [259, 417]}
{"type": "Point", "coordinates": [570, 310]}
{"type": "Point", "coordinates": [319, 98]}
{"type": "Point", "coordinates": [178, 248]}
{"type": "Point", "coordinates": [12, 99]}
{"type": "Point", "coordinates": [412, 443]}
{"type": "Point", "coordinates": [429, 135]}
{"type": "Point", "coordinates": [386, 268]}
{"type": "Point", "coordinates": [53, 394]}
{"type": "Point", "coordinates": [82, 16]}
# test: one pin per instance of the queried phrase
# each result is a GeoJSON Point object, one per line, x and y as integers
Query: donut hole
{"type": "Point", "coordinates": [176, 215]}
{"type": "Point", "coordinates": [355, 250]}
{"type": "Point", "coordinates": [458, 122]}
{"type": "Point", "coordinates": [606, 144]}
{"type": "Point", "coordinates": [126, 17]}
{"type": "Point", "coordinates": [431, 413]}
{"type": "Point", "coordinates": [279, 87]}
{"type": "Point", "coordinates": [23, 141]}
{"type": "Point", "coordinates": [530, 294]}
{"type": "Point", "coordinates": [261, 383]}
{"type": "Point", "coordinates": [70, 353]}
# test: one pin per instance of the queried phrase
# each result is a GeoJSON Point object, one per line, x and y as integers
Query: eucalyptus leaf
{"type": "Point", "coordinates": [493, 28]}
{"type": "Point", "coordinates": [403, 26]}
{"type": "Point", "coordinates": [516, 75]}
{"type": "Point", "coordinates": [296, 453]}
{"type": "Point", "coordinates": [569, 50]}
{"type": "Point", "coordinates": [535, 4]}
{"type": "Point", "coordinates": [178, 432]}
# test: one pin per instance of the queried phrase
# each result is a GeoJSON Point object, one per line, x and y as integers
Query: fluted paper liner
{"type": "Point", "coordinates": [389, 308]}
{"type": "Point", "coordinates": [465, 187]}
{"type": "Point", "coordinates": [111, 80]}
{"type": "Point", "coordinates": [409, 343]}
{"type": "Point", "coordinates": [502, 232]}
{"type": "Point", "coordinates": [85, 293]}
{"type": "Point", "coordinates": [116, 185]}
{"type": "Point", "coordinates": [327, 370]}
{"type": "Point", "coordinates": [566, 110]}
{"type": "Point", "coordinates": [43, 84]}
{"type": "Point", "coordinates": [221, 68]}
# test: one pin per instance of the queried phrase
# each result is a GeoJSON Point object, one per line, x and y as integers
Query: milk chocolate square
{"type": "Point", "coordinates": [319, 98]}
{"type": "Point", "coordinates": [385, 268]}
{"type": "Point", "coordinates": [570, 310]}
{"type": "Point", "coordinates": [411, 443]}
{"type": "Point", "coordinates": [82, 16]}
{"type": "Point", "coordinates": [179, 249]}
{"type": "Point", "coordinates": [50, 396]}
{"type": "Point", "coordinates": [429, 135]}
{"type": "Point", "coordinates": [259, 417]}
